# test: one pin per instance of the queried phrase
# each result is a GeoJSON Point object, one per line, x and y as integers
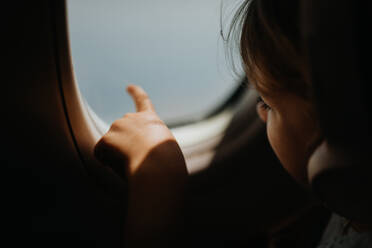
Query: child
{"type": "Point", "coordinates": [275, 64]}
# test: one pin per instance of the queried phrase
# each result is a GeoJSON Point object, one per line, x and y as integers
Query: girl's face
{"type": "Point", "coordinates": [291, 130]}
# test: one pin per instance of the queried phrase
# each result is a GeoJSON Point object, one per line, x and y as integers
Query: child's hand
{"type": "Point", "coordinates": [139, 137]}
{"type": "Point", "coordinates": [141, 145]}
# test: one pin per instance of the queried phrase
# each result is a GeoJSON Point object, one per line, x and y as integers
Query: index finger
{"type": "Point", "coordinates": [140, 98]}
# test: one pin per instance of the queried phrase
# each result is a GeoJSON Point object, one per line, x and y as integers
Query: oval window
{"type": "Point", "coordinates": [172, 48]}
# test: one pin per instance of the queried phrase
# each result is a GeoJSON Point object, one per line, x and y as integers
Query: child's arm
{"type": "Point", "coordinates": [155, 168]}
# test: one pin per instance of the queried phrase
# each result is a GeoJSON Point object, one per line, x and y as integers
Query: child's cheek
{"type": "Point", "coordinates": [273, 134]}
{"type": "Point", "coordinates": [284, 145]}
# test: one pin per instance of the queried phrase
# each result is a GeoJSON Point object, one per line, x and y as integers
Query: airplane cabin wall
{"type": "Point", "coordinates": [47, 182]}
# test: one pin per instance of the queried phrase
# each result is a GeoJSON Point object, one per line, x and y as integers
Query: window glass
{"type": "Point", "coordinates": [172, 48]}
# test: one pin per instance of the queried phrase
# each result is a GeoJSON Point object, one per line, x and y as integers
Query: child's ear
{"type": "Point", "coordinates": [338, 49]}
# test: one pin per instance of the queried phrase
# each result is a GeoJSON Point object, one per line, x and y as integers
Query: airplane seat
{"type": "Point", "coordinates": [338, 46]}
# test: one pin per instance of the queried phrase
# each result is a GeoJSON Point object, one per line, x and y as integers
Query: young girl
{"type": "Point", "coordinates": [275, 64]}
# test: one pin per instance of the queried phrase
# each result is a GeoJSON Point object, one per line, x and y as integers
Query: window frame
{"type": "Point", "coordinates": [197, 144]}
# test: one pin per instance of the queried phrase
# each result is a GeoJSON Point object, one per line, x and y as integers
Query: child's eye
{"type": "Point", "coordinates": [262, 104]}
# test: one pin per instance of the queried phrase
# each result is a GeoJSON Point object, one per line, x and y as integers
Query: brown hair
{"type": "Point", "coordinates": [270, 45]}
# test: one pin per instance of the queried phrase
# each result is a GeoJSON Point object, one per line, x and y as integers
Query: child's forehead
{"type": "Point", "coordinates": [273, 86]}
{"type": "Point", "coordinates": [264, 88]}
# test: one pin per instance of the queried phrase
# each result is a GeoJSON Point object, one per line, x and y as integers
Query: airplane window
{"type": "Point", "coordinates": [172, 48]}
